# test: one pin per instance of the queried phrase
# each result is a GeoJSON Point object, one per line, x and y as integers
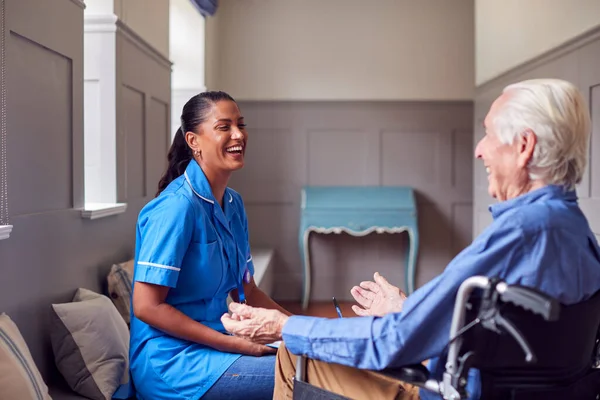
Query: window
{"type": "Point", "coordinates": [5, 227]}
{"type": "Point", "coordinates": [100, 114]}
{"type": "Point", "coordinates": [187, 52]}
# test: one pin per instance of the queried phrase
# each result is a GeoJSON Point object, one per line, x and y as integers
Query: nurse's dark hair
{"type": "Point", "coordinates": [193, 114]}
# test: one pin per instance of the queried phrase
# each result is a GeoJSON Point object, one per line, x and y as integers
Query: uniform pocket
{"type": "Point", "coordinates": [204, 254]}
{"type": "Point", "coordinates": [209, 242]}
{"type": "Point", "coordinates": [204, 269]}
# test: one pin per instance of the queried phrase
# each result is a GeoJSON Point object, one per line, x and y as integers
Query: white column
{"type": "Point", "coordinates": [100, 118]}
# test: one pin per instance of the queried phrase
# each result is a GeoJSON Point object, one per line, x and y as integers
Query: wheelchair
{"type": "Point", "coordinates": [525, 345]}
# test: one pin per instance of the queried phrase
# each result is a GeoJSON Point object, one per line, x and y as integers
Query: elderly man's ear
{"type": "Point", "coordinates": [526, 145]}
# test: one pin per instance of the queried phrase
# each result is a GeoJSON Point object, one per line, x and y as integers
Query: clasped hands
{"type": "Point", "coordinates": [263, 326]}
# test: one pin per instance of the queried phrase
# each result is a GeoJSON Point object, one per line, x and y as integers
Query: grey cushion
{"type": "Point", "coordinates": [119, 282]}
{"type": "Point", "coordinates": [90, 340]}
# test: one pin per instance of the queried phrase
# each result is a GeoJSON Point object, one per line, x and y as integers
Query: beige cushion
{"type": "Point", "coordinates": [91, 344]}
{"type": "Point", "coordinates": [119, 282]}
{"type": "Point", "coordinates": [19, 377]}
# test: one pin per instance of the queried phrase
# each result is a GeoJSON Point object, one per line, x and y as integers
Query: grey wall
{"type": "Point", "coordinates": [143, 119]}
{"type": "Point", "coordinates": [427, 145]}
{"type": "Point", "coordinates": [52, 250]}
{"type": "Point", "coordinates": [577, 61]}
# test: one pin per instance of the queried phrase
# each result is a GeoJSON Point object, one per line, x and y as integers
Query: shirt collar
{"type": "Point", "coordinates": [545, 193]}
{"type": "Point", "coordinates": [199, 184]}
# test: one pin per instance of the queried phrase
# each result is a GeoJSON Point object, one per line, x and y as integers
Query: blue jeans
{"type": "Point", "coordinates": [248, 378]}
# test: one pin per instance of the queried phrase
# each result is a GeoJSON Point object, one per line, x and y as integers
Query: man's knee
{"type": "Point", "coordinates": [285, 369]}
{"type": "Point", "coordinates": [285, 359]}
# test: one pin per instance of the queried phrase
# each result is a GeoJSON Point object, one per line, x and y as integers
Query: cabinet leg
{"type": "Point", "coordinates": [305, 255]}
{"type": "Point", "coordinates": [411, 260]}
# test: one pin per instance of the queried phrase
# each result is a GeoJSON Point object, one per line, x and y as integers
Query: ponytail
{"type": "Point", "coordinates": [178, 158]}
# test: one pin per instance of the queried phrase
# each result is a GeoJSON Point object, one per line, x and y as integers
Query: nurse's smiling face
{"type": "Point", "coordinates": [221, 138]}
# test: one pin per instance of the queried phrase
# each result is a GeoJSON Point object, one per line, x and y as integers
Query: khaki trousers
{"type": "Point", "coordinates": [350, 382]}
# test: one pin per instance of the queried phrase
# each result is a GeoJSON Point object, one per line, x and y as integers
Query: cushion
{"type": "Point", "coordinates": [19, 376]}
{"type": "Point", "coordinates": [119, 282]}
{"type": "Point", "coordinates": [91, 344]}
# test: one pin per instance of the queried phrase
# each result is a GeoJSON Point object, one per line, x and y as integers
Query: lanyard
{"type": "Point", "coordinates": [245, 278]}
{"type": "Point", "coordinates": [241, 294]}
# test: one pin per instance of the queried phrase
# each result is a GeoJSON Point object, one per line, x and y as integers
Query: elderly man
{"type": "Point", "coordinates": [534, 151]}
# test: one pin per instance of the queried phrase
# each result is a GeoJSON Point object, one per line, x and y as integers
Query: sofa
{"type": "Point", "coordinates": [89, 340]}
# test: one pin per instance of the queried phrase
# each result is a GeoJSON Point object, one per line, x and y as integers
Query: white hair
{"type": "Point", "coordinates": [556, 112]}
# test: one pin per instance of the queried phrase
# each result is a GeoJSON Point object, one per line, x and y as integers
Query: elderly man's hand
{"type": "Point", "coordinates": [259, 325]}
{"type": "Point", "coordinates": [377, 298]}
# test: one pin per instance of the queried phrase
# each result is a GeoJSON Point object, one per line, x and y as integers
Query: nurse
{"type": "Point", "coordinates": [192, 251]}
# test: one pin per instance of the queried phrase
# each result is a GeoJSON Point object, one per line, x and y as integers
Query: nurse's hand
{"type": "Point", "coordinates": [246, 347]}
{"type": "Point", "coordinates": [258, 325]}
{"type": "Point", "coordinates": [377, 298]}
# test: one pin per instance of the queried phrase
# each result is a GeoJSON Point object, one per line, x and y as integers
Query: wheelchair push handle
{"type": "Point", "coordinates": [530, 299]}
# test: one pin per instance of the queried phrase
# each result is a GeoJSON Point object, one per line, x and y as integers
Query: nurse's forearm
{"type": "Point", "coordinates": [258, 298]}
{"type": "Point", "coordinates": [172, 321]}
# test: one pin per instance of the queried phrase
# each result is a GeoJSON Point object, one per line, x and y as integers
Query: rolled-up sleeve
{"type": "Point", "coordinates": [165, 232]}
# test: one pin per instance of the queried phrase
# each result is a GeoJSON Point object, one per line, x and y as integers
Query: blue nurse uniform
{"type": "Point", "coordinates": [186, 241]}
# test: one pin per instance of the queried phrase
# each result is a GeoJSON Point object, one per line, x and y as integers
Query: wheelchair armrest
{"type": "Point", "coordinates": [416, 374]}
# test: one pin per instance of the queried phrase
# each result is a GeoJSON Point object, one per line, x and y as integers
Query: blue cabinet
{"type": "Point", "coordinates": [358, 211]}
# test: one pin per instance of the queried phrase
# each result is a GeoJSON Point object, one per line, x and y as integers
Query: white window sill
{"type": "Point", "coordinates": [5, 231]}
{"type": "Point", "coordinates": [101, 210]}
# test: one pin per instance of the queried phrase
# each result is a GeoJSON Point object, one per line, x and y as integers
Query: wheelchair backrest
{"type": "Point", "coordinates": [565, 348]}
